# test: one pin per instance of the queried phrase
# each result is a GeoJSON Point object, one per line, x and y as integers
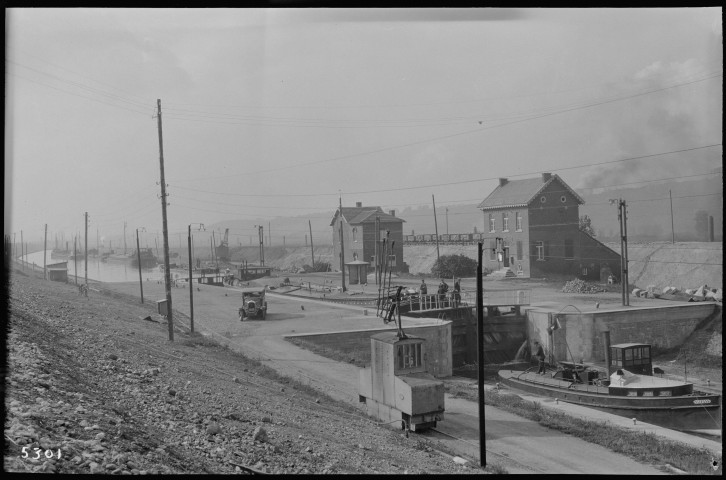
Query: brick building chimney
{"type": "Point", "coordinates": [392, 213]}
{"type": "Point", "coordinates": [546, 177]}
{"type": "Point", "coordinates": [358, 204]}
{"type": "Point", "coordinates": [503, 181]}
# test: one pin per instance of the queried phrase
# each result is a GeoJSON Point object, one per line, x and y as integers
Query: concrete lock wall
{"type": "Point", "coordinates": [438, 352]}
{"type": "Point", "coordinates": [580, 334]}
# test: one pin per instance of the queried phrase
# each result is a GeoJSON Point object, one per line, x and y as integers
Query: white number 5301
{"type": "Point", "coordinates": [48, 453]}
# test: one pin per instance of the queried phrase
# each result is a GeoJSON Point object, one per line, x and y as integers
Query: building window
{"type": "Point", "coordinates": [373, 259]}
{"type": "Point", "coordinates": [519, 249]}
{"type": "Point", "coordinates": [492, 223]}
{"type": "Point", "coordinates": [391, 260]}
{"type": "Point", "coordinates": [518, 220]}
{"type": "Point", "coordinates": [563, 199]}
{"type": "Point", "coordinates": [355, 256]}
{"type": "Point", "coordinates": [542, 199]}
{"type": "Point", "coordinates": [409, 356]}
{"type": "Point", "coordinates": [355, 236]}
{"type": "Point", "coordinates": [540, 250]}
{"type": "Point", "coordinates": [505, 222]}
{"type": "Point", "coordinates": [584, 271]}
{"type": "Point", "coordinates": [569, 249]}
{"type": "Point", "coordinates": [492, 249]}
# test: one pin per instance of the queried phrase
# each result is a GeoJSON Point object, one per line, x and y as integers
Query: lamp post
{"type": "Point", "coordinates": [261, 235]}
{"type": "Point", "coordinates": [138, 257]}
{"type": "Point", "coordinates": [191, 289]}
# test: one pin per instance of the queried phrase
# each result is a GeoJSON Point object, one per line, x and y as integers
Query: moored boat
{"type": "Point", "coordinates": [148, 260]}
{"type": "Point", "coordinates": [622, 391]}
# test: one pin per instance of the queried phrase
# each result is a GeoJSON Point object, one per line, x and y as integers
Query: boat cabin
{"type": "Point", "coordinates": [633, 357]}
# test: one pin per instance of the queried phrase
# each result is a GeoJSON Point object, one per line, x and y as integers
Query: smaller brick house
{"type": "Point", "coordinates": [360, 236]}
{"type": "Point", "coordinates": [535, 224]}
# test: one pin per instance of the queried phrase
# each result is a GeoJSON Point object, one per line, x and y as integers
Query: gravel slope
{"type": "Point", "coordinates": [91, 378]}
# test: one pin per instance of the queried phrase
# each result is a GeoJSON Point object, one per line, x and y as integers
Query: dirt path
{"type": "Point", "coordinates": [93, 380]}
{"type": "Point", "coordinates": [517, 444]}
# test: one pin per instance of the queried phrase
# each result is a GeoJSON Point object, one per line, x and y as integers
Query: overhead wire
{"type": "Point", "coordinates": [467, 132]}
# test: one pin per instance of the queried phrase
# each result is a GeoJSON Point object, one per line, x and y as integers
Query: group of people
{"type": "Point", "coordinates": [442, 290]}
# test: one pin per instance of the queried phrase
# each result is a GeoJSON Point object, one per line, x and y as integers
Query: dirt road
{"type": "Point", "coordinates": [519, 445]}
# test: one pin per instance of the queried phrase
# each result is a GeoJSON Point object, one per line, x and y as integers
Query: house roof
{"type": "Point", "coordinates": [358, 215]}
{"type": "Point", "coordinates": [520, 193]}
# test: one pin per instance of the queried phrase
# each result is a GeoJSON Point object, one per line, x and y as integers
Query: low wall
{"type": "Point", "coordinates": [581, 333]}
{"type": "Point", "coordinates": [438, 356]}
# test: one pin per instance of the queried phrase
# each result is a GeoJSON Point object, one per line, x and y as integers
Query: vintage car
{"type": "Point", "coordinates": [253, 303]}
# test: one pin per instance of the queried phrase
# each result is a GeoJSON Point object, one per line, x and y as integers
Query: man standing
{"type": "Point", "coordinates": [540, 355]}
{"type": "Point", "coordinates": [422, 289]}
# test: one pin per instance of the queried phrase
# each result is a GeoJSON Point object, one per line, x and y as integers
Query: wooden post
{"type": "Point", "coordinates": [436, 227]}
{"type": "Point", "coordinates": [85, 254]}
{"type": "Point", "coordinates": [138, 257]}
{"type": "Point", "coordinates": [376, 242]}
{"type": "Point", "coordinates": [45, 246]}
{"type": "Point", "coordinates": [191, 289]}
{"type": "Point", "coordinates": [312, 250]}
{"type": "Point", "coordinates": [625, 251]}
{"type": "Point", "coordinates": [167, 273]}
{"type": "Point", "coordinates": [342, 254]}
{"type": "Point", "coordinates": [480, 356]}
{"type": "Point", "coordinates": [673, 232]}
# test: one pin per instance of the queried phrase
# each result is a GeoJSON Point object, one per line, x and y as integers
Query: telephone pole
{"type": "Point", "coordinates": [22, 256]}
{"type": "Point", "coordinates": [124, 237]}
{"type": "Point", "coordinates": [342, 254]}
{"type": "Point", "coordinates": [312, 250]}
{"type": "Point", "coordinates": [45, 246]}
{"type": "Point", "coordinates": [191, 289]}
{"type": "Point", "coordinates": [623, 220]}
{"type": "Point", "coordinates": [138, 258]}
{"type": "Point", "coordinates": [673, 232]}
{"type": "Point", "coordinates": [167, 273]}
{"type": "Point", "coordinates": [376, 246]}
{"type": "Point", "coordinates": [75, 260]}
{"type": "Point", "coordinates": [436, 227]}
{"type": "Point", "coordinates": [85, 255]}
{"type": "Point", "coordinates": [261, 236]}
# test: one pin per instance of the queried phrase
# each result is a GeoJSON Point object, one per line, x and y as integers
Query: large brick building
{"type": "Point", "coordinates": [537, 223]}
{"type": "Point", "coordinates": [359, 236]}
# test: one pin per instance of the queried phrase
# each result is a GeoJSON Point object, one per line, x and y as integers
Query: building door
{"type": "Point", "coordinates": [506, 257]}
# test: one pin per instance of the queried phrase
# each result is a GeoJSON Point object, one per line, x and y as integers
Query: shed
{"type": "Point", "coordinates": [58, 272]}
{"type": "Point", "coordinates": [357, 272]}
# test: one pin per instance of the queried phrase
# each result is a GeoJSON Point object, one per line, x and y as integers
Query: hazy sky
{"type": "Point", "coordinates": [277, 112]}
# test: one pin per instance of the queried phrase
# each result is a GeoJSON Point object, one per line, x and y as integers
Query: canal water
{"type": "Point", "coordinates": [111, 271]}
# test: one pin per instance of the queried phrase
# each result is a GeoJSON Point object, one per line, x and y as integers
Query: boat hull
{"type": "Point", "coordinates": [697, 411]}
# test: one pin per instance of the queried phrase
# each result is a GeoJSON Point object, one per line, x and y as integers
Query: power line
{"type": "Point", "coordinates": [424, 141]}
{"type": "Point", "coordinates": [473, 180]}
{"type": "Point", "coordinates": [343, 123]}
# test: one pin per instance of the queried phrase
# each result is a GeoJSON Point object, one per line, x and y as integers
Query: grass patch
{"type": "Point", "coordinates": [641, 446]}
{"type": "Point", "coordinates": [196, 339]}
{"type": "Point", "coordinates": [358, 355]}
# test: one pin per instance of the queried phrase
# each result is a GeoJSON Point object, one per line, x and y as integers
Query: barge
{"type": "Point", "coordinates": [627, 389]}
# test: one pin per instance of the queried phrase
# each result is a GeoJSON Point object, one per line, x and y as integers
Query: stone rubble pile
{"type": "Point", "coordinates": [580, 286]}
{"type": "Point", "coordinates": [700, 294]}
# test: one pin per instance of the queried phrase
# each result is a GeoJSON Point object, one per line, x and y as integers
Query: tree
{"type": "Point", "coordinates": [586, 225]}
{"type": "Point", "coordinates": [448, 266]}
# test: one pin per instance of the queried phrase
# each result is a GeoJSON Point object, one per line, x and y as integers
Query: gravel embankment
{"type": "Point", "coordinates": [93, 380]}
